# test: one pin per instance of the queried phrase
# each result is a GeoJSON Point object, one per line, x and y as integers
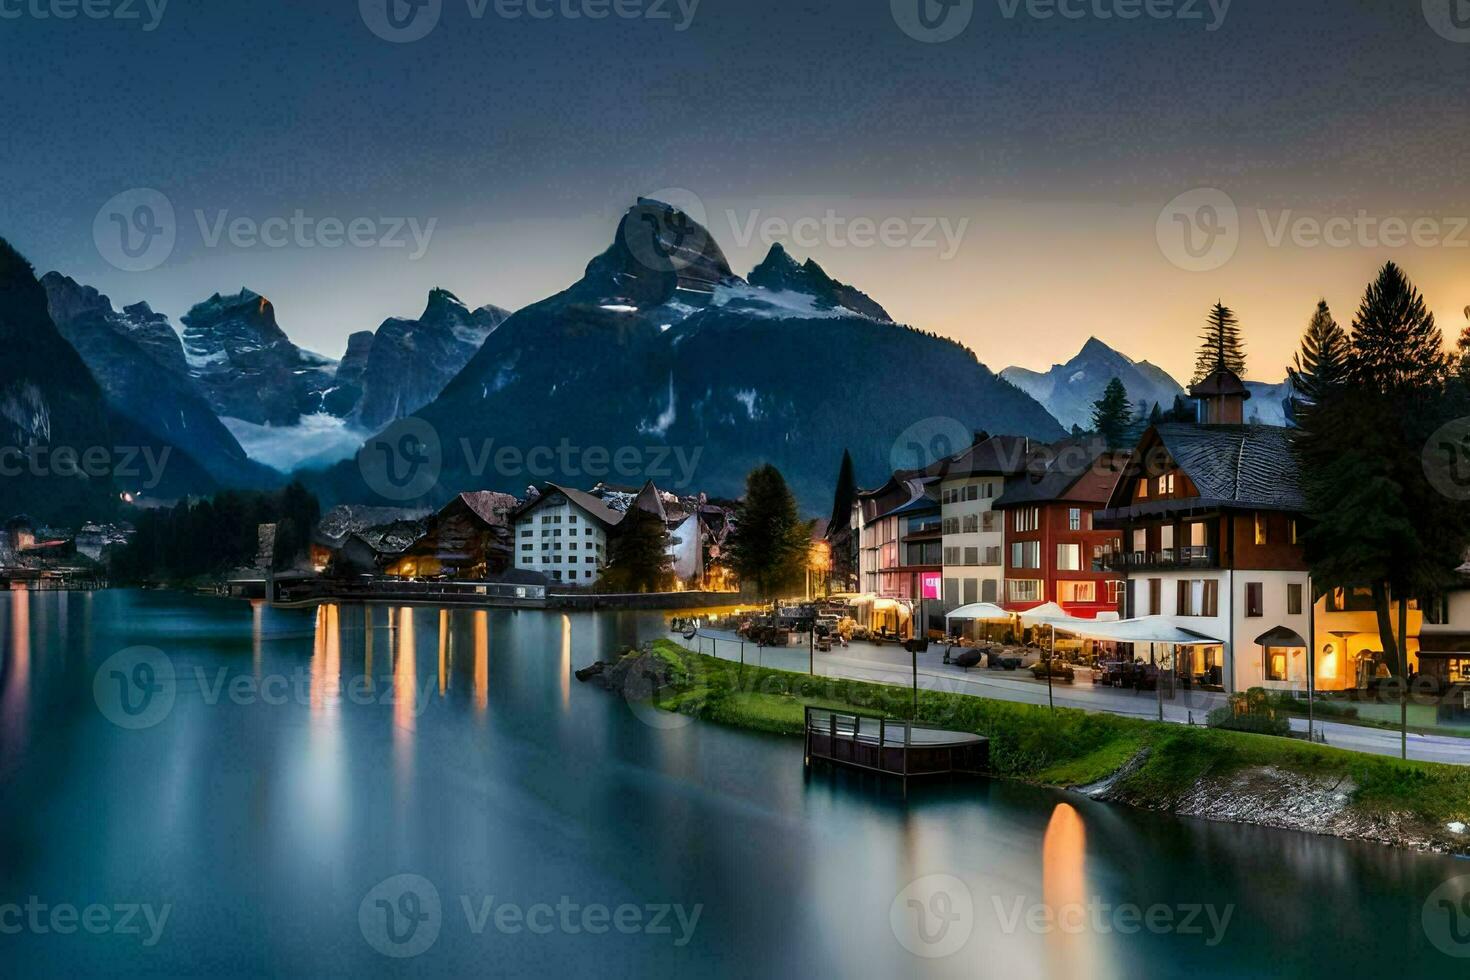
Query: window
{"type": "Point", "coordinates": [971, 591]}
{"type": "Point", "coordinates": [1115, 592]}
{"type": "Point", "coordinates": [1255, 600]}
{"type": "Point", "coordinates": [1166, 484]}
{"type": "Point", "coordinates": [1026, 554]}
{"type": "Point", "coordinates": [1197, 535]}
{"type": "Point", "coordinates": [1261, 536]}
{"type": "Point", "coordinates": [1155, 596]}
{"type": "Point", "coordinates": [971, 523]}
{"type": "Point", "coordinates": [988, 590]}
{"type": "Point", "coordinates": [1028, 519]}
{"type": "Point", "coordinates": [972, 556]}
{"type": "Point", "coordinates": [1142, 488]}
{"type": "Point", "coordinates": [992, 556]}
{"type": "Point", "coordinates": [1130, 600]}
{"type": "Point", "coordinates": [1023, 590]}
{"type": "Point", "coordinates": [1198, 597]}
{"type": "Point", "coordinates": [1276, 660]}
{"type": "Point", "coordinates": [989, 522]}
{"type": "Point", "coordinates": [1140, 541]}
{"type": "Point", "coordinates": [1295, 532]}
{"type": "Point", "coordinates": [951, 592]}
{"type": "Point", "coordinates": [972, 492]}
{"type": "Point", "coordinates": [1069, 558]}
{"type": "Point", "coordinates": [1076, 591]}
{"type": "Point", "coordinates": [1074, 519]}
{"type": "Point", "coordinates": [1294, 598]}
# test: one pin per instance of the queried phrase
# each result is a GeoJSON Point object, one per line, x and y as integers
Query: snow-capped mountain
{"type": "Point", "coordinates": [405, 365]}
{"type": "Point", "coordinates": [1069, 390]}
{"type": "Point", "coordinates": [661, 350]}
{"type": "Point", "coordinates": [137, 358]}
{"type": "Point", "coordinates": [247, 367]}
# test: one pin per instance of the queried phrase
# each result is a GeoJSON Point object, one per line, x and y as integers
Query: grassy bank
{"type": "Point", "coordinates": [1075, 748]}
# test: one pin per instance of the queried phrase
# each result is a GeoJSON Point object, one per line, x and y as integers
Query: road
{"type": "Point", "coordinates": [891, 664]}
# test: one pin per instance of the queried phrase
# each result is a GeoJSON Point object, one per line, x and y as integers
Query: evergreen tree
{"type": "Point", "coordinates": [1396, 348]}
{"type": "Point", "coordinates": [638, 558]}
{"type": "Point", "coordinates": [1322, 362]}
{"type": "Point", "coordinates": [1377, 522]}
{"type": "Point", "coordinates": [769, 545]}
{"type": "Point", "coordinates": [1462, 353]}
{"type": "Point", "coordinates": [846, 494]}
{"type": "Point", "coordinates": [1111, 415]}
{"type": "Point", "coordinates": [1220, 345]}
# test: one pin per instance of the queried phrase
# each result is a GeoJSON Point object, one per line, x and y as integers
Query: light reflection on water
{"type": "Point", "coordinates": [411, 749]}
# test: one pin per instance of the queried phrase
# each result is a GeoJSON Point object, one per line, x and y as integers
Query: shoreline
{"type": "Point", "coordinates": [1201, 773]}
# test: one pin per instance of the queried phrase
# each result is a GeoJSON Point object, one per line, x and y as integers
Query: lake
{"type": "Point", "coordinates": [196, 786]}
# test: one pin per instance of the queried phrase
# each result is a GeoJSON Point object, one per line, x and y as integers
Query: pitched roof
{"type": "Point", "coordinates": [1222, 382]}
{"type": "Point", "coordinates": [650, 500]}
{"type": "Point", "coordinates": [997, 455]}
{"type": "Point", "coordinates": [594, 508]}
{"type": "Point", "coordinates": [489, 506]}
{"type": "Point", "coordinates": [1245, 466]}
{"type": "Point", "coordinates": [1054, 470]}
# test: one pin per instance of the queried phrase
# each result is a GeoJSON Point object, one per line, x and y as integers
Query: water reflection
{"type": "Point", "coordinates": [565, 665]}
{"type": "Point", "coordinates": [482, 662]}
{"type": "Point", "coordinates": [1064, 891]}
{"type": "Point", "coordinates": [15, 671]}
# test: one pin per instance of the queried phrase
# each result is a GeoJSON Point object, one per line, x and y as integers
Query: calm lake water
{"type": "Point", "coordinates": [321, 792]}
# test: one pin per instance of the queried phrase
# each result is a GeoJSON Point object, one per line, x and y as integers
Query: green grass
{"type": "Point", "coordinates": [1066, 747]}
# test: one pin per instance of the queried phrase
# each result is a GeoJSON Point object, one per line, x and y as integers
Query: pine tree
{"type": "Point", "coordinates": [846, 493]}
{"type": "Point", "coordinates": [1396, 348]}
{"type": "Point", "coordinates": [1462, 353]}
{"type": "Point", "coordinates": [1220, 345]}
{"type": "Point", "coordinates": [1111, 415]}
{"type": "Point", "coordinates": [1322, 362]}
{"type": "Point", "coordinates": [638, 558]}
{"type": "Point", "coordinates": [1377, 522]}
{"type": "Point", "coordinates": [769, 545]}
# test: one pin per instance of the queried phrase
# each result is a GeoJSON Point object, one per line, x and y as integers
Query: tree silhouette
{"type": "Point", "coordinates": [769, 544]}
{"type": "Point", "coordinates": [1322, 363]}
{"type": "Point", "coordinates": [1220, 345]}
{"type": "Point", "coordinates": [1111, 416]}
{"type": "Point", "coordinates": [638, 558]}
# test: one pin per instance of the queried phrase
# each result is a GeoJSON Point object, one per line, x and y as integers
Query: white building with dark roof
{"type": "Point", "coordinates": [563, 534]}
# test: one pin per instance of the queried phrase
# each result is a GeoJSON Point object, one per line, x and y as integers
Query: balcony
{"type": "Point", "coordinates": [1140, 561]}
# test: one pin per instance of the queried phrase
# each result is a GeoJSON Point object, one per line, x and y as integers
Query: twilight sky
{"type": "Point", "coordinates": [1048, 148]}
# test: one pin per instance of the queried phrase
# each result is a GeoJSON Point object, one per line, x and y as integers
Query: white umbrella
{"type": "Point", "coordinates": [981, 612]}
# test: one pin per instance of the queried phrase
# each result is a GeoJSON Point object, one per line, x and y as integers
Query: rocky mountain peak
{"type": "Point", "coordinates": [659, 251]}
{"type": "Point", "coordinates": [780, 272]}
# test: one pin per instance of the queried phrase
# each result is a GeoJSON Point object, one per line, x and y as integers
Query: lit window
{"type": "Point", "coordinates": [1261, 535]}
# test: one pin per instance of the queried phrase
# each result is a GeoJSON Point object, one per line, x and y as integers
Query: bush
{"type": "Point", "coordinates": [1257, 711]}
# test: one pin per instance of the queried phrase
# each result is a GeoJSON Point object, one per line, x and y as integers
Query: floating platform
{"type": "Point", "coordinates": [895, 748]}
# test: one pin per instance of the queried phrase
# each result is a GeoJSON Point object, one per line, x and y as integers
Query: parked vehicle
{"type": "Point", "coordinates": [1058, 670]}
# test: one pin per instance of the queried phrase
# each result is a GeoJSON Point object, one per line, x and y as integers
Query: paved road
{"type": "Point", "coordinates": [890, 664]}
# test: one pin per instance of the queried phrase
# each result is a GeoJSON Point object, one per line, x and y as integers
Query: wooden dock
{"type": "Point", "coordinates": [894, 748]}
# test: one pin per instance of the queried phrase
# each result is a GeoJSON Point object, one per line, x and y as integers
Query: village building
{"type": "Point", "coordinates": [563, 534]}
{"type": "Point", "coordinates": [469, 539]}
{"type": "Point", "coordinates": [973, 530]}
{"type": "Point", "coordinates": [1053, 550]}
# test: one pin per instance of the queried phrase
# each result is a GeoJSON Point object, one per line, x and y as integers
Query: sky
{"type": "Point", "coordinates": [1018, 174]}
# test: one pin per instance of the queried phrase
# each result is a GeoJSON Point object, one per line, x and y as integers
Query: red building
{"type": "Point", "coordinates": [1053, 553]}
